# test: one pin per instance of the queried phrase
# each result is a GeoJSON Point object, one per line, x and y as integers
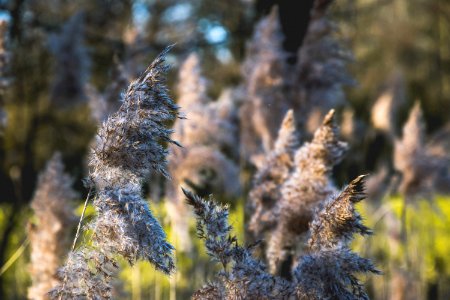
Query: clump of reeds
{"type": "Point", "coordinates": [321, 68]}
{"type": "Point", "coordinates": [311, 85]}
{"type": "Point", "coordinates": [272, 172]}
{"type": "Point", "coordinates": [129, 146]}
{"type": "Point", "coordinates": [50, 231]}
{"type": "Point", "coordinates": [326, 272]}
{"type": "Point", "coordinates": [422, 172]}
{"type": "Point", "coordinates": [303, 189]}
{"type": "Point", "coordinates": [209, 138]}
{"type": "Point", "coordinates": [267, 78]}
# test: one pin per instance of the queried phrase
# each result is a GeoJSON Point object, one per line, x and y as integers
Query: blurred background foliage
{"type": "Point", "coordinates": [408, 37]}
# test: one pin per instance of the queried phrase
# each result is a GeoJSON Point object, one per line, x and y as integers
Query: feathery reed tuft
{"type": "Point", "coordinates": [209, 138]}
{"type": "Point", "coordinates": [321, 68]}
{"type": "Point", "coordinates": [386, 107]}
{"type": "Point", "coordinates": [272, 172]}
{"type": "Point", "coordinates": [242, 277]}
{"type": "Point", "coordinates": [267, 78]}
{"type": "Point", "coordinates": [129, 142]}
{"type": "Point", "coordinates": [50, 231]}
{"type": "Point", "coordinates": [330, 274]}
{"type": "Point", "coordinates": [208, 123]}
{"type": "Point", "coordinates": [423, 172]}
{"type": "Point", "coordinates": [326, 272]}
{"type": "Point", "coordinates": [5, 56]}
{"type": "Point", "coordinates": [311, 84]}
{"type": "Point", "coordinates": [338, 221]}
{"type": "Point", "coordinates": [192, 85]}
{"type": "Point", "coordinates": [129, 146]}
{"type": "Point", "coordinates": [305, 190]}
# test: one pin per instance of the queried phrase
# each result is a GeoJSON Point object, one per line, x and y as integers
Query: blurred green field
{"type": "Point", "coordinates": [425, 256]}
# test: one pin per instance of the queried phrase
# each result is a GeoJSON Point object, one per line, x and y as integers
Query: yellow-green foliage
{"type": "Point", "coordinates": [16, 276]}
{"type": "Point", "coordinates": [428, 235]}
{"type": "Point", "coordinates": [425, 252]}
{"type": "Point", "coordinates": [428, 246]}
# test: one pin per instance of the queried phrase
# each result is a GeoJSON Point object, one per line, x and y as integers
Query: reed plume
{"type": "Point", "coordinates": [321, 68]}
{"type": "Point", "coordinates": [51, 228]}
{"type": "Point", "coordinates": [274, 84]}
{"type": "Point", "coordinates": [242, 276]}
{"type": "Point", "coordinates": [332, 230]}
{"type": "Point", "coordinates": [5, 56]}
{"type": "Point", "coordinates": [307, 187]}
{"type": "Point", "coordinates": [386, 107]}
{"type": "Point", "coordinates": [209, 138]}
{"type": "Point", "coordinates": [208, 123]}
{"type": "Point", "coordinates": [422, 171]}
{"type": "Point", "coordinates": [272, 172]}
{"type": "Point", "coordinates": [326, 272]}
{"type": "Point", "coordinates": [192, 86]}
{"type": "Point", "coordinates": [129, 146]}
{"type": "Point", "coordinates": [266, 76]}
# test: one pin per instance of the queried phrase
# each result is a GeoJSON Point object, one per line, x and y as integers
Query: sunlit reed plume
{"type": "Point", "coordinates": [306, 189]}
{"type": "Point", "coordinates": [129, 146]}
{"type": "Point", "coordinates": [327, 271]}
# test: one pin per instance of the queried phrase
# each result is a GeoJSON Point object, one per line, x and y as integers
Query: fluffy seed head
{"type": "Point", "coordinates": [323, 274]}
{"type": "Point", "coordinates": [52, 226]}
{"type": "Point", "coordinates": [421, 170]}
{"type": "Point", "coordinates": [338, 221]}
{"type": "Point", "coordinates": [307, 188]}
{"type": "Point", "coordinates": [129, 146]}
{"type": "Point", "coordinates": [129, 143]}
{"type": "Point", "coordinates": [192, 85]}
{"type": "Point", "coordinates": [273, 171]}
